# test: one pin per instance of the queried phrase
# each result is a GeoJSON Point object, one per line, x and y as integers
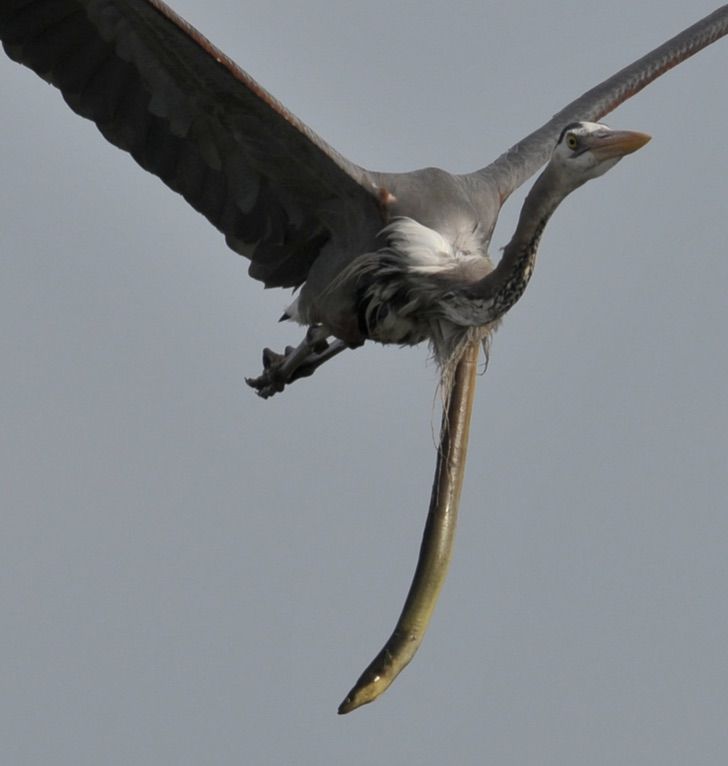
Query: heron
{"type": "Point", "coordinates": [396, 258]}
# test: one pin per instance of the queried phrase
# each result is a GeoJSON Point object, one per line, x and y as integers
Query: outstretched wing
{"type": "Point", "coordinates": [158, 89]}
{"type": "Point", "coordinates": [523, 159]}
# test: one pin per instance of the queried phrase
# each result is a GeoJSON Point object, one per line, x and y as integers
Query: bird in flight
{"type": "Point", "coordinates": [388, 257]}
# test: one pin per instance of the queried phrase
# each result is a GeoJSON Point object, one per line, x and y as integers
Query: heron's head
{"type": "Point", "coordinates": [586, 150]}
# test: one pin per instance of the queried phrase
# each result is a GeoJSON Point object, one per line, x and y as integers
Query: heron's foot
{"type": "Point", "coordinates": [281, 369]}
{"type": "Point", "coordinates": [276, 376]}
{"type": "Point", "coordinates": [269, 382]}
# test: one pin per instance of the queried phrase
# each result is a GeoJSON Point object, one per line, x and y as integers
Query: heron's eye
{"type": "Point", "coordinates": [572, 141]}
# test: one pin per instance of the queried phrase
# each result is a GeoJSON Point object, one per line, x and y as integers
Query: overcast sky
{"type": "Point", "coordinates": [191, 575]}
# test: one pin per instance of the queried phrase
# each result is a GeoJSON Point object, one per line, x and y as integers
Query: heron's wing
{"type": "Point", "coordinates": [523, 159]}
{"type": "Point", "coordinates": [158, 89]}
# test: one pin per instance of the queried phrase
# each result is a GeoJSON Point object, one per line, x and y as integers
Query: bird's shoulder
{"type": "Point", "coordinates": [438, 200]}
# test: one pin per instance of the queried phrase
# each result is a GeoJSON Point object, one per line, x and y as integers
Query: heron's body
{"type": "Point", "coordinates": [430, 226]}
{"type": "Point", "coordinates": [396, 285]}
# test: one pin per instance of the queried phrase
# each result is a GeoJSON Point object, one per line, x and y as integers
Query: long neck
{"type": "Point", "coordinates": [500, 289]}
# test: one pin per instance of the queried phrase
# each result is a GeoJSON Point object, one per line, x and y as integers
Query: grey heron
{"type": "Point", "coordinates": [300, 211]}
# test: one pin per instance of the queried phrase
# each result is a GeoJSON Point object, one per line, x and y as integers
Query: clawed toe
{"type": "Point", "coordinates": [295, 362]}
{"type": "Point", "coordinates": [264, 386]}
{"type": "Point", "coordinates": [271, 381]}
{"type": "Point", "coordinates": [271, 359]}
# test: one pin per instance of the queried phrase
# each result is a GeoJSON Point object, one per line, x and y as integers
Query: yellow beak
{"type": "Point", "coordinates": [618, 143]}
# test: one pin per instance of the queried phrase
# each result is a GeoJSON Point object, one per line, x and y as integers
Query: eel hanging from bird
{"type": "Point", "coordinates": [390, 257]}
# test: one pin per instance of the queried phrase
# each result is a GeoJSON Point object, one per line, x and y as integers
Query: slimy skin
{"type": "Point", "coordinates": [437, 541]}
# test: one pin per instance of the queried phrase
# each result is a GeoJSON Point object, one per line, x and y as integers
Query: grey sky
{"type": "Point", "coordinates": [191, 575]}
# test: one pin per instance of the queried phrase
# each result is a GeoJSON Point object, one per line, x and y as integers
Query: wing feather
{"type": "Point", "coordinates": [156, 88]}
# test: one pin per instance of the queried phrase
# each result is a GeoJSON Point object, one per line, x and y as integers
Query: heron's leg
{"type": "Point", "coordinates": [299, 362]}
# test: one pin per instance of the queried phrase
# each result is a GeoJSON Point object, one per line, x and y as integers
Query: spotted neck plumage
{"type": "Point", "coordinates": [488, 299]}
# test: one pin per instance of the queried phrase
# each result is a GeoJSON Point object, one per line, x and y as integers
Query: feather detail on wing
{"type": "Point", "coordinates": [159, 90]}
